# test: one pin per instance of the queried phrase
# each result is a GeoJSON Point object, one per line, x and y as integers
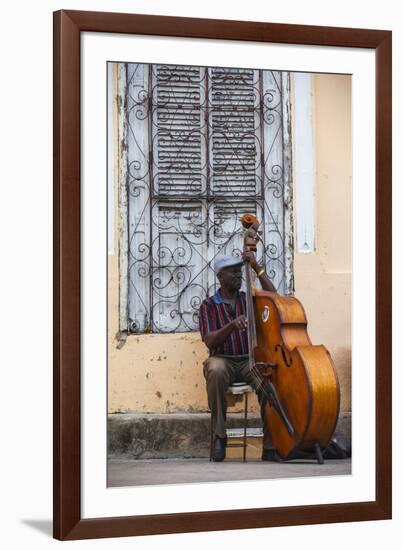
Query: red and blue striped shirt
{"type": "Point", "coordinates": [215, 314]}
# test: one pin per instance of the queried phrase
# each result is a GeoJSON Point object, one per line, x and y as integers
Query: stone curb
{"type": "Point", "coordinates": [175, 435]}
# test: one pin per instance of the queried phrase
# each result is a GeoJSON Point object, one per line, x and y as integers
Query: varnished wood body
{"type": "Point", "coordinates": [304, 375]}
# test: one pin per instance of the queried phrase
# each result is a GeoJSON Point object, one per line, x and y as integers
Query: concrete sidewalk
{"type": "Point", "coordinates": [122, 473]}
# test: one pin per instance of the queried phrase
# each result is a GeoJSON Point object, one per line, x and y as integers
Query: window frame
{"type": "Point", "coordinates": [123, 200]}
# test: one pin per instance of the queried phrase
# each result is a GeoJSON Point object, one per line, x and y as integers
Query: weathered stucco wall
{"type": "Point", "coordinates": [163, 373]}
{"type": "Point", "coordinates": [323, 278]}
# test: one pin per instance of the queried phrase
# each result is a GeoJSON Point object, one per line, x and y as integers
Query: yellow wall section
{"type": "Point", "coordinates": [323, 278]}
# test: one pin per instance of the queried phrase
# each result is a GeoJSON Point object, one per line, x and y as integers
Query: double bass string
{"type": "Point", "coordinates": [252, 333]}
{"type": "Point", "coordinates": [251, 327]}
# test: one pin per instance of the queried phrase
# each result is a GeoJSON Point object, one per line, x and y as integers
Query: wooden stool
{"type": "Point", "coordinates": [235, 393]}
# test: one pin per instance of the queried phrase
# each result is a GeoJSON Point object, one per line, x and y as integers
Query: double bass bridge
{"type": "Point", "coordinates": [265, 369]}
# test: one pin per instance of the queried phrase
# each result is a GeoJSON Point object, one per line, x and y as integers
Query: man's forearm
{"type": "Point", "coordinates": [217, 337]}
{"type": "Point", "coordinates": [265, 281]}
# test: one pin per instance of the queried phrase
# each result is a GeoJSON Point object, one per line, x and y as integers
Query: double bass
{"type": "Point", "coordinates": [297, 379]}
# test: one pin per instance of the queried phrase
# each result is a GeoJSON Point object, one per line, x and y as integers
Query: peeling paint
{"type": "Point", "coordinates": [119, 103]}
{"type": "Point", "coordinates": [123, 146]}
{"type": "Point", "coordinates": [123, 203]}
{"type": "Point", "coordinates": [288, 184]}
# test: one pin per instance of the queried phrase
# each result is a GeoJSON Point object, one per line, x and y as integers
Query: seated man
{"type": "Point", "coordinates": [223, 327]}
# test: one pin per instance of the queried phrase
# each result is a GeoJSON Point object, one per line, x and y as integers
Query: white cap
{"type": "Point", "coordinates": [226, 261]}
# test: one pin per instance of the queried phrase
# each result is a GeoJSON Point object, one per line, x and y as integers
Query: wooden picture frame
{"type": "Point", "coordinates": [68, 524]}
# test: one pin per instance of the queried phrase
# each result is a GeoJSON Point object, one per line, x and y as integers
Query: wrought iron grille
{"type": "Point", "coordinates": [205, 145]}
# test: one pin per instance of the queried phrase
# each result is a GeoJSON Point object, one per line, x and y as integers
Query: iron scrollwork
{"type": "Point", "coordinates": [204, 147]}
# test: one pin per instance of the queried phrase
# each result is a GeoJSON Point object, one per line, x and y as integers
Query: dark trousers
{"type": "Point", "coordinates": [220, 371]}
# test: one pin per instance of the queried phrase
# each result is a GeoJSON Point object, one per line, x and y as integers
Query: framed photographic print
{"type": "Point", "coordinates": [222, 209]}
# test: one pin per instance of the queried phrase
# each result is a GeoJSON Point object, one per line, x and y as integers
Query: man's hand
{"type": "Point", "coordinates": [262, 276]}
{"type": "Point", "coordinates": [217, 337]}
{"type": "Point", "coordinates": [240, 322]}
{"type": "Point", "coordinates": [250, 257]}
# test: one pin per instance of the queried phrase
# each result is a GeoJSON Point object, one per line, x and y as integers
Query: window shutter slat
{"type": "Point", "coordinates": [178, 97]}
{"type": "Point", "coordinates": [234, 101]}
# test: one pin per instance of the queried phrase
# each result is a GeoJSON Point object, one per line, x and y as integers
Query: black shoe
{"type": "Point", "coordinates": [270, 455]}
{"type": "Point", "coordinates": [219, 449]}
